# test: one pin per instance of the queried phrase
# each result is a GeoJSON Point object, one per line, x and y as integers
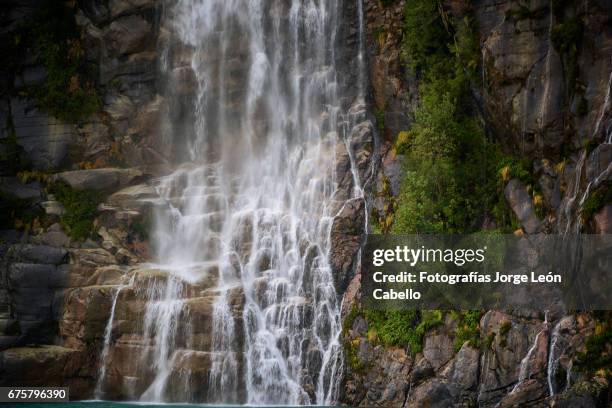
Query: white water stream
{"type": "Point", "coordinates": [253, 203]}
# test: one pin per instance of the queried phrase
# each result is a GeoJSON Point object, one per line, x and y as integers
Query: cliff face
{"type": "Point", "coordinates": [87, 126]}
{"type": "Point", "coordinates": [543, 94]}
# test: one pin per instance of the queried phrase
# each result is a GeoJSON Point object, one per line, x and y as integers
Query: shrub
{"type": "Point", "coordinates": [402, 328]}
{"type": "Point", "coordinates": [81, 207]}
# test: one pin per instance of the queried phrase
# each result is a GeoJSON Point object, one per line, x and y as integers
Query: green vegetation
{"type": "Point", "coordinates": [67, 93]}
{"type": "Point", "coordinates": [596, 201]}
{"type": "Point", "coordinates": [452, 170]}
{"type": "Point", "coordinates": [81, 209]}
{"type": "Point", "coordinates": [402, 328]}
{"type": "Point", "coordinates": [598, 354]}
{"type": "Point", "coordinates": [468, 329]}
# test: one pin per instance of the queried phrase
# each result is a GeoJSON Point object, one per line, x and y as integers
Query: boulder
{"type": "Point", "coordinates": [41, 254]}
{"type": "Point", "coordinates": [27, 275]}
{"type": "Point", "coordinates": [438, 350]}
{"type": "Point", "coordinates": [54, 236]}
{"type": "Point", "coordinates": [603, 220]}
{"type": "Point", "coordinates": [122, 7]}
{"type": "Point", "coordinates": [133, 198]}
{"type": "Point", "coordinates": [53, 208]}
{"type": "Point", "coordinates": [433, 393]}
{"type": "Point", "coordinates": [346, 235]}
{"type": "Point", "coordinates": [44, 366]}
{"type": "Point", "coordinates": [127, 35]}
{"type": "Point", "coordinates": [99, 179]}
{"type": "Point", "coordinates": [463, 372]}
{"type": "Point", "coordinates": [522, 205]}
{"type": "Point", "coordinates": [12, 187]}
{"type": "Point", "coordinates": [44, 138]}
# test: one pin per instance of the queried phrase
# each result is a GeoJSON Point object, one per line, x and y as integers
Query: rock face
{"type": "Point", "coordinates": [544, 107]}
{"type": "Point", "coordinates": [56, 294]}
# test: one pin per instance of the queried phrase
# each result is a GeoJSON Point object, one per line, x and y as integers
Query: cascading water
{"type": "Point", "coordinates": [251, 207]}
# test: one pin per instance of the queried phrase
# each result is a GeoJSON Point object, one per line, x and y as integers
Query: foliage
{"type": "Point", "coordinates": [53, 37]}
{"type": "Point", "coordinates": [426, 37]}
{"type": "Point", "coordinates": [468, 329]}
{"type": "Point", "coordinates": [402, 328]}
{"type": "Point", "coordinates": [596, 201]}
{"type": "Point", "coordinates": [454, 176]}
{"type": "Point", "coordinates": [598, 351]}
{"type": "Point", "coordinates": [80, 209]}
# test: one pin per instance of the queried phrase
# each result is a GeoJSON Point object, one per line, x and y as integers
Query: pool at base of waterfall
{"type": "Point", "coordinates": [128, 404]}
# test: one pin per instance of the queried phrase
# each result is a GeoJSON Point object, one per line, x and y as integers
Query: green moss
{"type": "Point", "coordinates": [403, 328]}
{"type": "Point", "coordinates": [596, 201]}
{"type": "Point", "coordinates": [350, 319]}
{"type": "Point", "coordinates": [468, 329]}
{"type": "Point", "coordinates": [598, 353]}
{"type": "Point", "coordinates": [350, 353]}
{"type": "Point", "coordinates": [80, 209]}
{"type": "Point", "coordinates": [425, 37]}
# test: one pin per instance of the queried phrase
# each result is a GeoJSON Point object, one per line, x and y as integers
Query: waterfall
{"type": "Point", "coordinates": [525, 369]}
{"type": "Point", "coordinates": [245, 230]}
{"type": "Point", "coordinates": [108, 333]}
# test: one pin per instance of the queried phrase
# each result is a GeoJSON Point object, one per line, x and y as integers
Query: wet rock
{"type": "Point", "coordinates": [24, 275]}
{"type": "Point", "coordinates": [127, 34]}
{"type": "Point", "coordinates": [421, 371]}
{"type": "Point", "coordinates": [99, 179]}
{"type": "Point", "coordinates": [44, 139]}
{"type": "Point", "coordinates": [92, 257]}
{"type": "Point", "coordinates": [40, 366]}
{"type": "Point", "coordinates": [85, 313]}
{"type": "Point", "coordinates": [11, 186]}
{"type": "Point", "coordinates": [463, 371]}
{"type": "Point", "coordinates": [346, 236]}
{"type": "Point", "coordinates": [121, 7]}
{"type": "Point", "coordinates": [528, 392]}
{"type": "Point", "coordinates": [41, 254]}
{"type": "Point", "coordinates": [54, 236]}
{"type": "Point", "coordinates": [603, 220]}
{"type": "Point", "coordinates": [522, 205]}
{"type": "Point", "coordinates": [107, 275]}
{"type": "Point", "coordinates": [53, 208]}
{"type": "Point", "coordinates": [433, 393]}
{"type": "Point", "coordinates": [438, 350]}
{"type": "Point", "coordinates": [362, 140]}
